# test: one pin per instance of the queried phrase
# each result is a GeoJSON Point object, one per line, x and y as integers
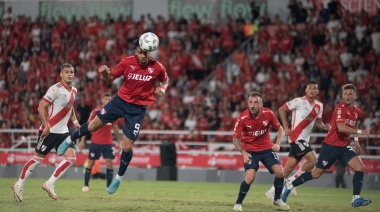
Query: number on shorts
{"type": "Point", "coordinates": [137, 129]}
{"type": "Point", "coordinates": [39, 143]}
{"type": "Point", "coordinates": [301, 146]}
{"type": "Point", "coordinates": [350, 148]}
{"type": "Point", "coordinates": [275, 156]}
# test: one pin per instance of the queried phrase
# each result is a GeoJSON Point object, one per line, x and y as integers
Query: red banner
{"type": "Point", "coordinates": [153, 160]}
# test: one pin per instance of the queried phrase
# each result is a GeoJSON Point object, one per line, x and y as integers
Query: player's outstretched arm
{"type": "Point", "coordinates": [106, 73]}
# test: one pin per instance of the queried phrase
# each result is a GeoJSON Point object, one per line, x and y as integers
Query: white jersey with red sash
{"type": "Point", "coordinates": [304, 115]}
{"type": "Point", "coordinates": [61, 100]}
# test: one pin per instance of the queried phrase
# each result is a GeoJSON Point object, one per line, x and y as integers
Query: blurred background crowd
{"type": "Point", "coordinates": [212, 65]}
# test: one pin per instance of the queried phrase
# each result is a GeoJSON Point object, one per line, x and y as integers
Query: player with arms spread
{"type": "Point", "coordinates": [306, 113]}
{"type": "Point", "coordinates": [251, 138]}
{"type": "Point", "coordinates": [55, 110]}
{"type": "Point", "coordinates": [335, 147]}
{"type": "Point", "coordinates": [140, 73]}
{"type": "Point", "coordinates": [101, 144]}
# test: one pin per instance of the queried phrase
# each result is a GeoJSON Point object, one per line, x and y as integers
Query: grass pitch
{"type": "Point", "coordinates": [172, 196]}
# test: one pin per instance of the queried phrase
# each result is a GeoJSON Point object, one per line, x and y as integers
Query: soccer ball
{"type": "Point", "coordinates": [148, 42]}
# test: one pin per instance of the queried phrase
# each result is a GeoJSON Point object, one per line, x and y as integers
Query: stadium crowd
{"type": "Point", "coordinates": [326, 44]}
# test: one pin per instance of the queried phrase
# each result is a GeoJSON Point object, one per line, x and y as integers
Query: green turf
{"type": "Point", "coordinates": [172, 196]}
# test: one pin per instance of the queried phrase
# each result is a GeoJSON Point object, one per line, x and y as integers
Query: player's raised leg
{"type": "Point", "coordinates": [84, 130]}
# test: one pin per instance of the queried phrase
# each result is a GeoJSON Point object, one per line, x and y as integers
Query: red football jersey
{"type": "Point", "coordinates": [104, 134]}
{"type": "Point", "coordinates": [254, 132]}
{"type": "Point", "coordinates": [138, 87]}
{"type": "Point", "coordinates": [342, 114]}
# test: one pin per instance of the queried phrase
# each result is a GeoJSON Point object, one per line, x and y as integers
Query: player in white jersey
{"type": "Point", "coordinates": [55, 110]}
{"type": "Point", "coordinates": [306, 113]}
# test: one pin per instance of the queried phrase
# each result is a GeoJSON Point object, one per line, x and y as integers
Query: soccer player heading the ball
{"type": "Point", "coordinates": [140, 73]}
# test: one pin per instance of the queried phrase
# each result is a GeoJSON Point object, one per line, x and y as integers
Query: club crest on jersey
{"type": "Point", "coordinates": [150, 70]}
{"type": "Point", "coordinates": [43, 148]}
{"type": "Point", "coordinates": [92, 154]}
{"type": "Point", "coordinates": [103, 111]}
{"type": "Point", "coordinates": [324, 163]}
{"type": "Point", "coordinates": [265, 123]}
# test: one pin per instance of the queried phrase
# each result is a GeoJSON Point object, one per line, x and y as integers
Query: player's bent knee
{"type": "Point", "coordinates": [316, 175]}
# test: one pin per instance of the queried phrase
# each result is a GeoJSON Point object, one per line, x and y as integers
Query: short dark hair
{"type": "Point", "coordinates": [312, 83]}
{"type": "Point", "coordinates": [106, 95]}
{"type": "Point", "coordinates": [66, 65]}
{"type": "Point", "coordinates": [255, 93]}
{"type": "Point", "coordinates": [349, 86]}
{"type": "Point", "coordinates": [135, 44]}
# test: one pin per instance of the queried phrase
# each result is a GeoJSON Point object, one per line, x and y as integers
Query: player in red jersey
{"type": "Point", "coordinates": [101, 144]}
{"type": "Point", "coordinates": [251, 138]}
{"type": "Point", "coordinates": [140, 73]}
{"type": "Point", "coordinates": [55, 110]}
{"type": "Point", "coordinates": [335, 147]}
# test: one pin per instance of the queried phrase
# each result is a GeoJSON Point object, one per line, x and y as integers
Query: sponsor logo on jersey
{"type": "Point", "coordinates": [257, 133]}
{"type": "Point", "coordinates": [139, 77]}
{"type": "Point", "coordinates": [350, 122]}
{"type": "Point", "coordinates": [249, 126]}
{"type": "Point", "coordinates": [133, 67]}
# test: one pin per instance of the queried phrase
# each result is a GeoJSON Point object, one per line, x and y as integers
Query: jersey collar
{"type": "Point", "coordinates": [309, 100]}
{"type": "Point", "coordinates": [64, 85]}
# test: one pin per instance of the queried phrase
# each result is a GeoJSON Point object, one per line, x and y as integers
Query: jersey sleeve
{"type": "Point", "coordinates": [319, 116]}
{"type": "Point", "coordinates": [52, 94]}
{"type": "Point", "coordinates": [340, 114]}
{"type": "Point", "coordinates": [118, 71]}
{"type": "Point", "coordinates": [163, 76]}
{"type": "Point", "coordinates": [274, 121]}
{"type": "Point", "coordinates": [238, 129]}
{"type": "Point", "coordinates": [293, 104]}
